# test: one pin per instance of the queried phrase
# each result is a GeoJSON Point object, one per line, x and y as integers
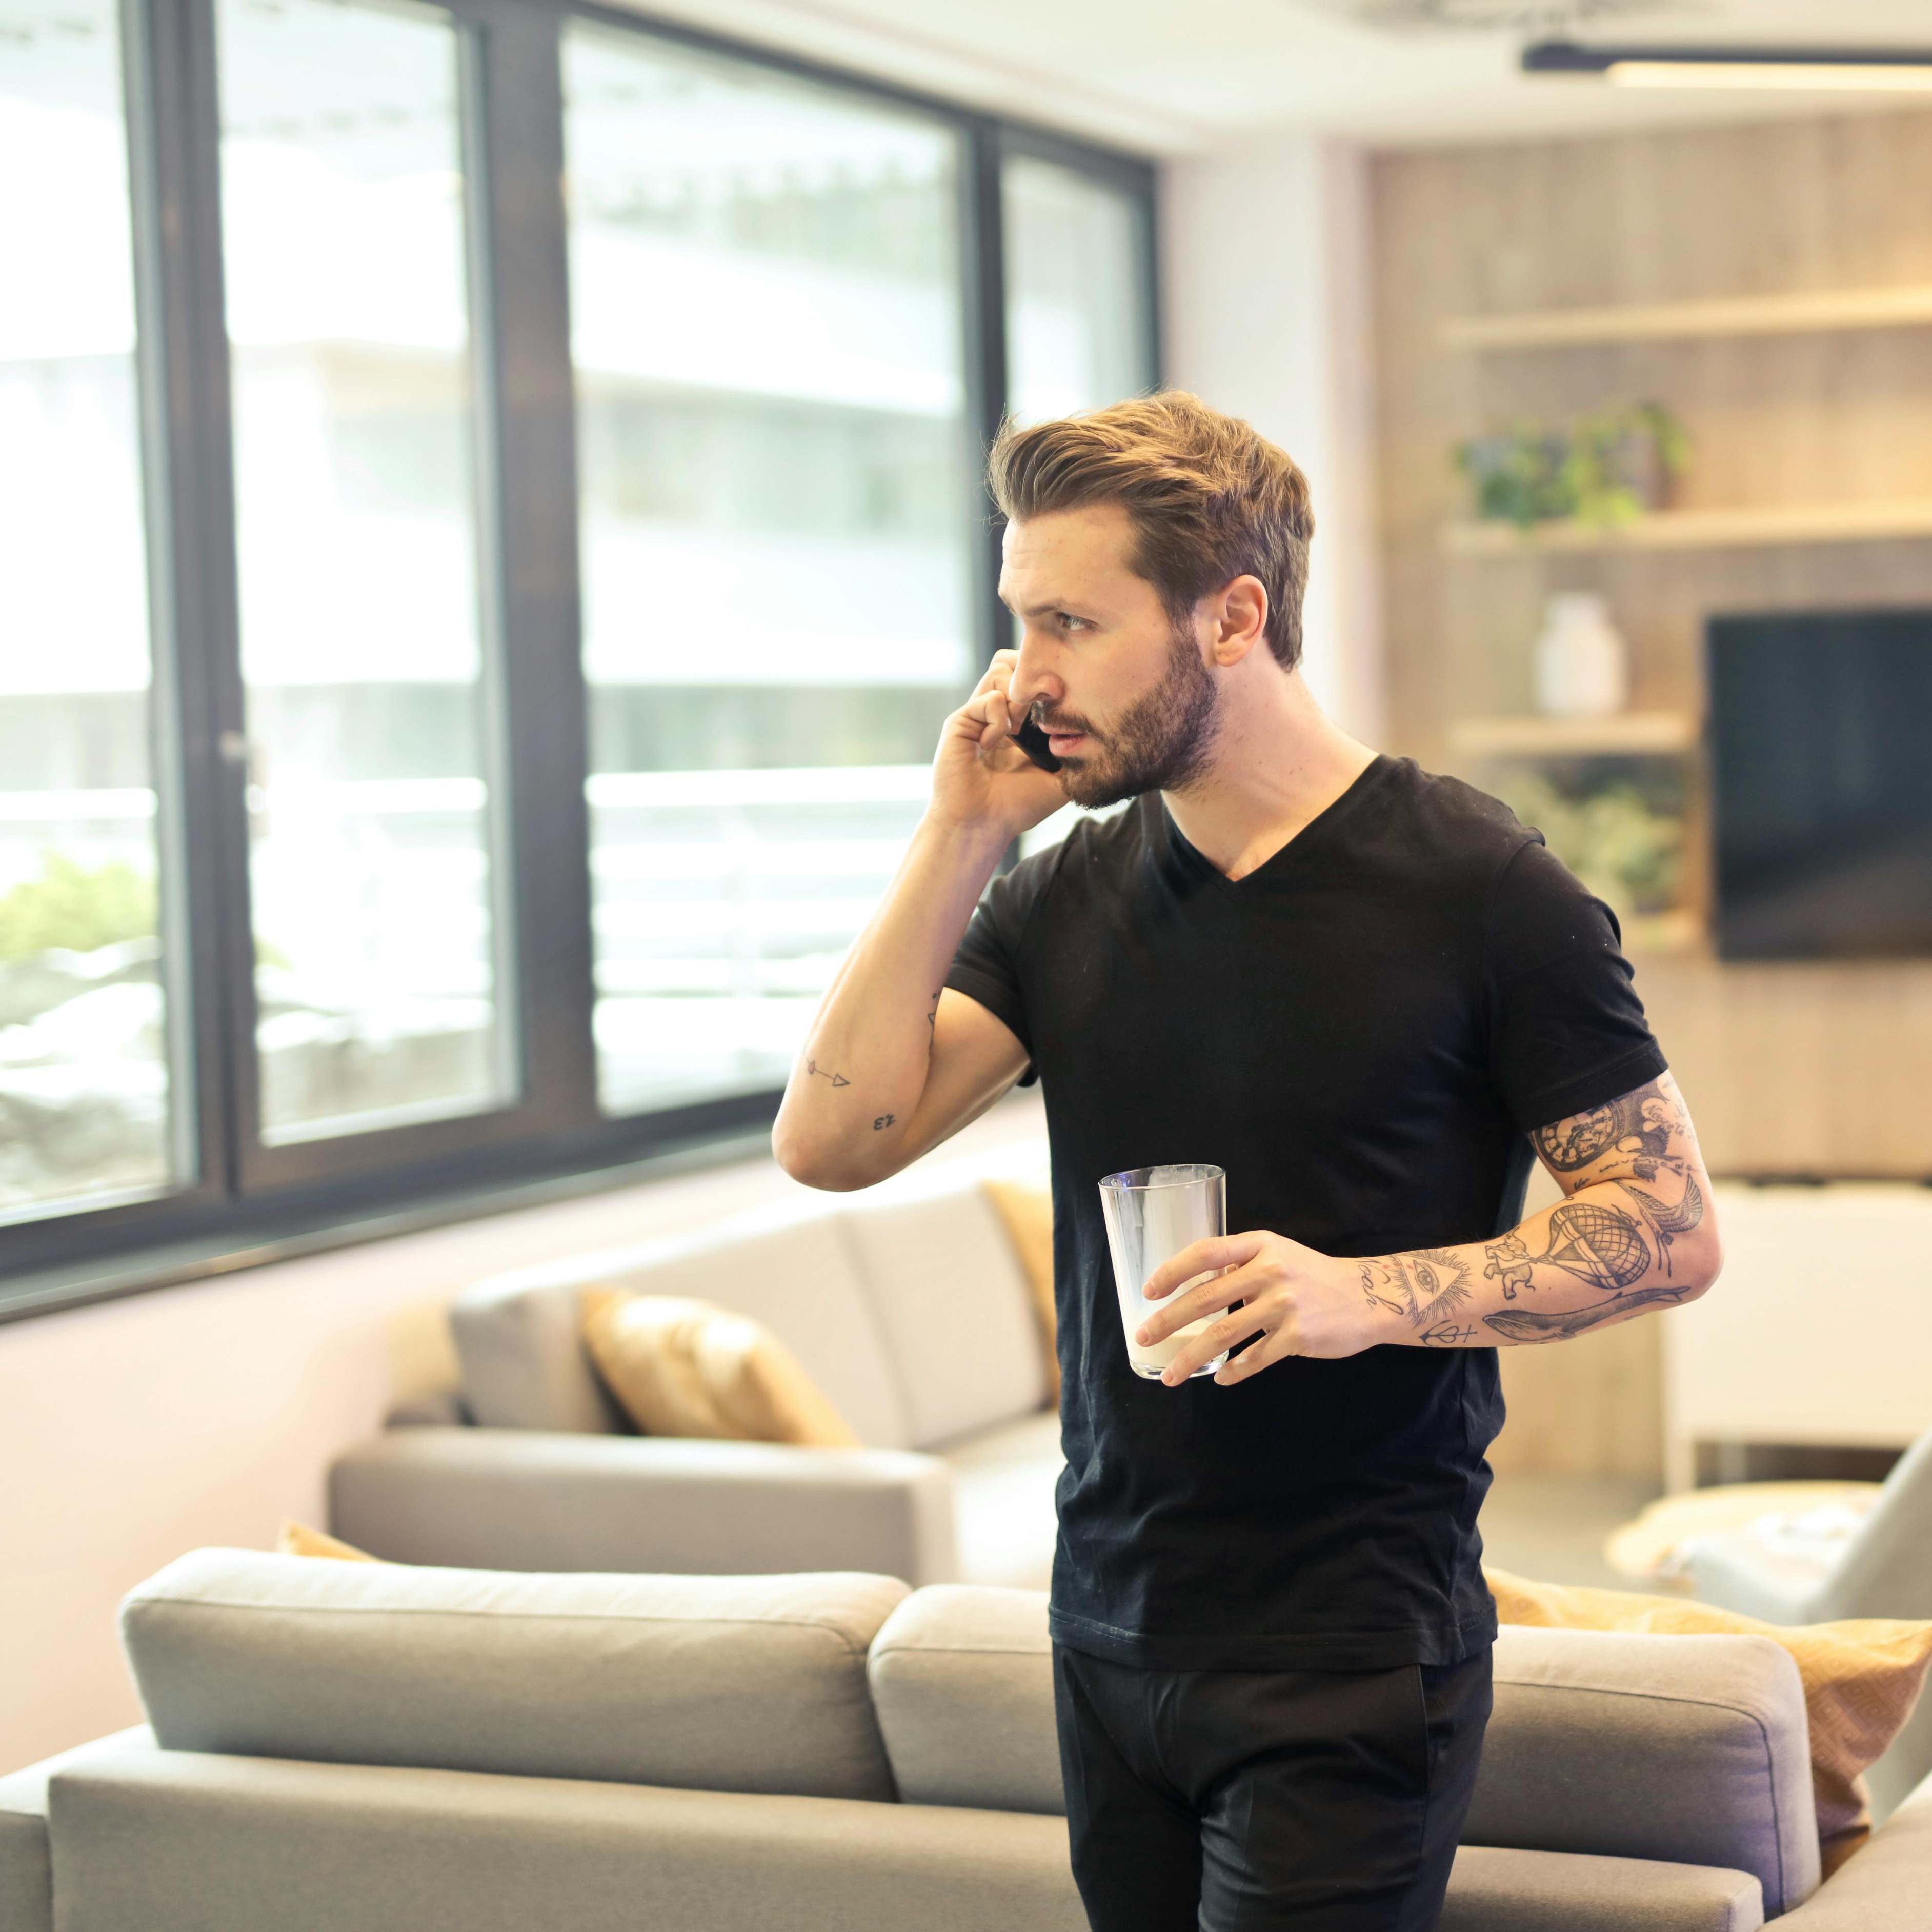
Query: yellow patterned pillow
{"type": "Point", "coordinates": [297, 1539]}
{"type": "Point", "coordinates": [1862, 1678]}
{"type": "Point", "coordinates": [683, 1367]}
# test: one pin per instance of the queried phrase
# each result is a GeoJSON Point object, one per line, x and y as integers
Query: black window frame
{"type": "Point", "coordinates": [239, 1198]}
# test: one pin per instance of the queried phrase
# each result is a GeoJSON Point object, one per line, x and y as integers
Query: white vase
{"type": "Point", "coordinates": [1582, 664]}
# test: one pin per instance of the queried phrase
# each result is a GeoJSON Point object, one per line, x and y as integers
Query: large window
{"type": "Point", "coordinates": [87, 1093]}
{"type": "Point", "coordinates": [355, 530]}
{"type": "Point", "coordinates": [771, 437]}
{"type": "Point", "coordinates": [1078, 249]}
{"type": "Point", "coordinates": [489, 530]}
{"type": "Point", "coordinates": [1079, 325]}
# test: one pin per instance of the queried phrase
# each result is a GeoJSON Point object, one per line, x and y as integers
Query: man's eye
{"type": "Point", "coordinates": [1069, 622]}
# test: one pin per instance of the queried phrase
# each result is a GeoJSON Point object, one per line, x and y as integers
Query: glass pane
{"type": "Point", "coordinates": [1077, 333]}
{"type": "Point", "coordinates": [84, 1090]}
{"type": "Point", "coordinates": [774, 476]}
{"type": "Point", "coordinates": [356, 526]}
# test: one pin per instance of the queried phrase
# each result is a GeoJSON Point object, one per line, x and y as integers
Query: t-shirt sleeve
{"type": "Point", "coordinates": [986, 968]}
{"type": "Point", "coordinates": [1567, 1030]}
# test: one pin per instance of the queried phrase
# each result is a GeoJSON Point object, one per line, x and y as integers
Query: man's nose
{"type": "Point", "coordinates": [1031, 685]}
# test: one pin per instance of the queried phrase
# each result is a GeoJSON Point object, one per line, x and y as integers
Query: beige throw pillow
{"type": "Point", "coordinates": [1862, 1678]}
{"type": "Point", "coordinates": [678, 1366]}
{"type": "Point", "coordinates": [1027, 1214]}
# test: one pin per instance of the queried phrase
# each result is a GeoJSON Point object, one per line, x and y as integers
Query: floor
{"type": "Point", "coordinates": [1552, 1528]}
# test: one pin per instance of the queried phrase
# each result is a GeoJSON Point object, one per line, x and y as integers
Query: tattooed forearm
{"type": "Point", "coordinates": [1526, 1324]}
{"type": "Point", "coordinates": [1634, 1233]}
{"type": "Point", "coordinates": [825, 1073]}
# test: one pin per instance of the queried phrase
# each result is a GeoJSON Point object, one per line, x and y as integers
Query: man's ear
{"type": "Point", "coordinates": [1238, 615]}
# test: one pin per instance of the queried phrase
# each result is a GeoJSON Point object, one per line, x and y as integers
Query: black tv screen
{"type": "Point", "coordinates": [1821, 751]}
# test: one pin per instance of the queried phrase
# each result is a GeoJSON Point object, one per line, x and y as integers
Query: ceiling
{"type": "Point", "coordinates": [1164, 77]}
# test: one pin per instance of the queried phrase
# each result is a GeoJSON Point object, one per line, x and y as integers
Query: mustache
{"type": "Point", "coordinates": [1064, 727]}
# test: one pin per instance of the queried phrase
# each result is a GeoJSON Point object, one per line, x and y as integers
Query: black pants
{"type": "Point", "coordinates": [1326, 1801]}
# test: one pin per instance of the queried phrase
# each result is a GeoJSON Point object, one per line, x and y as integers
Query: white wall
{"type": "Point", "coordinates": [132, 1431]}
{"type": "Point", "coordinates": [1265, 253]}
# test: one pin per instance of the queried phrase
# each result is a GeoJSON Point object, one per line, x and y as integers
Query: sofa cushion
{"type": "Point", "coordinates": [1025, 1209]}
{"type": "Point", "coordinates": [962, 1682]}
{"type": "Point", "coordinates": [525, 1366]}
{"type": "Point", "coordinates": [1003, 1501]}
{"type": "Point", "coordinates": [950, 1298]}
{"type": "Point", "coordinates": [722, 1683]}
{"type": "Point", "coordinates": [1687, 1749]}
{"type": "Point", "coordinates": [681, 1367]}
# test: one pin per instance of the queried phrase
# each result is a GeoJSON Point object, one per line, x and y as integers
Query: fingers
{"type": "Point", "coordinates": [1238, 1368]}
{"type": "Point", "coordinates": [1216, 1340]}
{"type": "Point", "coordinates": [990, 705]}
{"type": "Point", "coordinates": [1216, 1251]}
{"type": "Point", "coordinates": [1218, 1292]}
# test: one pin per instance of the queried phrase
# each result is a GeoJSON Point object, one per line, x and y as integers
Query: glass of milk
{"type": "Point", "coordinates": [1152, 1214]}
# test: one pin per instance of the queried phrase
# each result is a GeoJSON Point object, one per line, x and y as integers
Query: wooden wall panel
{"type": "Point", "coordinates": [1800, 1069]}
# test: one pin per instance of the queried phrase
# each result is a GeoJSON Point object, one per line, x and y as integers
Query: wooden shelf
{"type": "Point", "coordinates": [1767, 524]}
{"type": "Point", "coordinates": [1622, 733]}
{"type": "Point", "coordinates": [1803, 314]}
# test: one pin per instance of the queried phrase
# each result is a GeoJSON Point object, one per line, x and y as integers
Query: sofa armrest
{"type": "Point", "coordinates": [1883, 1887]}
{"type": "Point", "coordinates": [26, 1866]}
{"type": "Point", "coordinates": [531, 1499]}
{"type": "Point", "coordinates": [433, 1408]}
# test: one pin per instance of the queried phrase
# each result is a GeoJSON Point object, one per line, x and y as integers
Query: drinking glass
{"type": "Point", "coordinates": [1152, 1214]}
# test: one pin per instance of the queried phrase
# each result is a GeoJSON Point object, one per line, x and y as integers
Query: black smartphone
{"type": "Point", "coordinates": [1032, 740]}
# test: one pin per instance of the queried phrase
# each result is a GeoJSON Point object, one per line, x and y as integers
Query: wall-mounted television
{"type": "Point", "coordinates": [1820, 736]}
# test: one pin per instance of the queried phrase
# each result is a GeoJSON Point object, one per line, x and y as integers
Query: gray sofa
{"type": "Point", "coordinates": [337, 1746]}
{"type": "Point", "coordinates": [907, 1304]}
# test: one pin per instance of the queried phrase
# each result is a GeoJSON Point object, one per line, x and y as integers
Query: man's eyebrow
{"type": "Point", "coordinates": [1038, 610]}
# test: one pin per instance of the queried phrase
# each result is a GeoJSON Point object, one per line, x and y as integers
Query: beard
{"type": "Point", "coordinates": [1163, 742]}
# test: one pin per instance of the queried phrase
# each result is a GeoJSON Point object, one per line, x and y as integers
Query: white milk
{"type": "Point", "coordinates": [1173, 1220]}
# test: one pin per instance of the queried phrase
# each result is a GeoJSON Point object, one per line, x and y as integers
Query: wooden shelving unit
{"type": "Point", "coordinates": [1807, 313]}
{"type": "Point", "coordinates": [1623, 734]}
{"type": "Point", "coordinates": [1761, 525]}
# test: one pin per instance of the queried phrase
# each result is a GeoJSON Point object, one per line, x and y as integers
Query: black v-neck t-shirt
{"type": "Point", "coordinates": [1362, 1031]}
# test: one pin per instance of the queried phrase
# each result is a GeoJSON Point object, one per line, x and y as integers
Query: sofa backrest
{"type": "Point", "coordinates": [908, 1307]}
{"type": "Point", "coordinates": [753, 1684]}
{"type": "Point", "coordinates": [524, 1366]}
{"type": "Point", "coordinates": [1687, 1749]}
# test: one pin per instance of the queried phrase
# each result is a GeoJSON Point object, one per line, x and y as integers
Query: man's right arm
{"type": "Point", "coordinates": [894, 1062]}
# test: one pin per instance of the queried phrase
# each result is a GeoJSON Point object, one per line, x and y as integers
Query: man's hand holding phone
{"type": "Point", "coordinates": [982, 775]}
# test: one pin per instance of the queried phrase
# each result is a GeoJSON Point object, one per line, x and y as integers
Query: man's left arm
{"type": "Point", "coordinates": [1636, 1232]}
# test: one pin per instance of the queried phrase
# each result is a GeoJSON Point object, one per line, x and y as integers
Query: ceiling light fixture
{"type": "Point", "coordinates": [1859, 69]}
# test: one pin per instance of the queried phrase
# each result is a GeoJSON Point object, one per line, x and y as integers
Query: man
{"type": "Point", "coordinates": [1366, 992]}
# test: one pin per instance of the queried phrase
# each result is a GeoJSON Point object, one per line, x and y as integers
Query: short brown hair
{"type": "Point", "coordinates": [1210, 499]}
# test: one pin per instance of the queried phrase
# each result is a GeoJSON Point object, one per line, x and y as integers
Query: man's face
{"type": "Point", "coordinates": [1127, 699]}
